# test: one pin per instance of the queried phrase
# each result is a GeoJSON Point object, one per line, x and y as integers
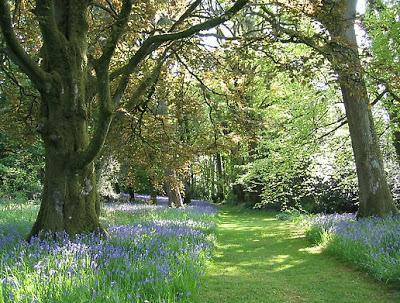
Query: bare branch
{"type": "Point", "coordinates": [185, 15]}
{"type": "Point", "coordinates": [106, 9]}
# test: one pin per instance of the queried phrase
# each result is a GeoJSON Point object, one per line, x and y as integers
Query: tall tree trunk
{"type": "Point", "coordinates": [69, 199]}
{"type": "Point", "coordinates": [187, 191]}
{"type": "Point", "coordinates": [172, 186]}
{"type": "Point", "coordinates": [189, 186]}
{"type": "Point", "coordinates": [220, 178]}
{"type": "Point", "coordinates": [374, 194]}
{"type": "Point", "coordinates": [212, 178]}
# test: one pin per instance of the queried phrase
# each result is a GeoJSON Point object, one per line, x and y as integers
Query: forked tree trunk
{"type": "Point", "coordinates": [69, 199]}
{"type": "Point", "coordinates": [374, 194]}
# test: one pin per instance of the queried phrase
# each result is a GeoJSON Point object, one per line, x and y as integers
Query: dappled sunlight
{"type": "Point", "coordinates": [252, 228]}
{"type": "Point", "coordinates": [312, 250]}
{"type": "Point", "coordinates": [262, 259]}
{"type": "Point", "coordinates": [268, 219]}
{"type": "Point", "coordinates": [228, 246]}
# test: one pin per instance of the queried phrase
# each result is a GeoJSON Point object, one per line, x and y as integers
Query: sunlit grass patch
{"type": "Point", "coordinates": [274, 263]}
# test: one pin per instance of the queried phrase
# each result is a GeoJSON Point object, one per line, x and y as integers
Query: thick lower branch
{"type": "Point", "coordinates": [38, 76]}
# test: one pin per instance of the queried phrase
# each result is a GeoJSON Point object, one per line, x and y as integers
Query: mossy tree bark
{"type": "Point", "coordinates": [69, 199]}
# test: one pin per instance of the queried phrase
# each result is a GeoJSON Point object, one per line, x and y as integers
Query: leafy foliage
{"type": "Point", "coordinates": [21, 167]}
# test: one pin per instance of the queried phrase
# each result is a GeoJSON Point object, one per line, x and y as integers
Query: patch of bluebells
{"type": "Point", "coordinates": [160, 260]}
{"type": "Point", "coordinates": [372, 243]}
{"type": "Point", "coordinates": [198, 215]}
{"type": "Point", "coordinates": [196, 207]}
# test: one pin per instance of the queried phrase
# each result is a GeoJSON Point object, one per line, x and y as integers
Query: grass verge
{"type": "Point", "coordinates": [372, 244]}
{"type": "Point", "coordinates": [262, 259]}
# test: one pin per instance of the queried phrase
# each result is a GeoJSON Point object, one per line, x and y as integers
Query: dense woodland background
{"type": "Point", "coordinates": [249, 111]}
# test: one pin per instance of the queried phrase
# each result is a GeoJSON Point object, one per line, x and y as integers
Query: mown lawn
{"type": "Point", "coordinates": [261, 259]}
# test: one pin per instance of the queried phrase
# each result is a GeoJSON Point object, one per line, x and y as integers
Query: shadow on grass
{"type": "Point", "coordinates": [261, 259]}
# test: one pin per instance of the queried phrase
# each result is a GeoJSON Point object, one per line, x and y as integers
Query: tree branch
{"type": "Point", "coordinates": [107, 103]}
{"type": "Point", "coordinates": [185, 15]}
{"type": "Point", "coordinates": [197, 77]}
{"type": "Point", "coordinates": [52, 37]}
{"type": "Point", "coordinates": [343, 120]}
{"type": "Point", "coordinates": [117, 29]}
{"type": "Point", "coordinates": [153, 42]}
{"type": "Point", "coordinates": [107, 106]}
{"type": "Point", "coordinates": [313, 42]}
{"type": "Point", "coordinates": [16, 53]}
{"type": "Point", "coordinates": [106, 9]}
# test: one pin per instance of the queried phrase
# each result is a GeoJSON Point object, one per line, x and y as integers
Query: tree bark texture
{"type": "Point", "coordinates": [220, 178]}
{"type": "Point", "coordinates": [69, 199]}
{"type": "Point", "coordinates": [374, 194]}
{"type": "Point", "coordinates": [173, 191]}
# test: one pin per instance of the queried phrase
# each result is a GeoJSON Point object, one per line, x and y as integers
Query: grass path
{"type": "Point", "coordinates": [260, 259]}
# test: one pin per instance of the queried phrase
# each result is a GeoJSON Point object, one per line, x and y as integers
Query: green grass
{"type": "Point", "coordinates": [17, 216]}
{"type": "Point", "coordinates": [257, 259]}
{"type": "Point", "coordinates": [261, 259]}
